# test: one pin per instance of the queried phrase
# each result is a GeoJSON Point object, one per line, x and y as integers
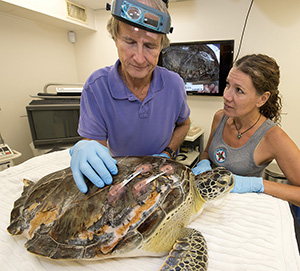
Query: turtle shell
{"type": "Point", "coordinates": [194, 63]}
{"type": "Point", "coordinates": [117, 220]}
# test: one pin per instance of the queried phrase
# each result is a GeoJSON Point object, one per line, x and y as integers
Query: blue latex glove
{"type": "Point", "coordinates": [247, 184]}
{"type": "Point", "coordinates": [161, 155]}
{"type": "Point", "coordinates": [202, 166]}
{"type": "Point", "coordinates": [93, 160]}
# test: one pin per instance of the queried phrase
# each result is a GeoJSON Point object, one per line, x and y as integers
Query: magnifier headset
{"type": "Point", "coordinates": [140, 15]}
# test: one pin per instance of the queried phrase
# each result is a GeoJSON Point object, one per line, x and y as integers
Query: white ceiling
{"type": "Point", "coordinates": [100, 4]}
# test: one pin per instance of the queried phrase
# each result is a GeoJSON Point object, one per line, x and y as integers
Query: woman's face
{"type": "Point", "coordinates": [240, 96]}
{"type": "Point", "coordinates": [138, 51]}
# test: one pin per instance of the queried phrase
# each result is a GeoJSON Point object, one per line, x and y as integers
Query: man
{"type": "Point", "coordinates": [134, 106]}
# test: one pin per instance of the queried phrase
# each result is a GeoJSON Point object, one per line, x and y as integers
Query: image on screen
{"type": "Point", "coordinates": [203, 66]}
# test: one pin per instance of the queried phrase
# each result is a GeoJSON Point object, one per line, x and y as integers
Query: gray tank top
{"type": "Point", "coordinates": [238, 160]}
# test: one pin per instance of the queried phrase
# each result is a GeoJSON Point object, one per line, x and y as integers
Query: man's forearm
{"type": "Point", "coordinates": [179, 134]}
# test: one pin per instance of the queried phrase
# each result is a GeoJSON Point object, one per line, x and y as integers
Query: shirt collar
{"type": "Point", "coordinates": [119, 90]}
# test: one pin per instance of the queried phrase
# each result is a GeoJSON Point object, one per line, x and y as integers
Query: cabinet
{"type": "Point", "coordinates": [191, 148]}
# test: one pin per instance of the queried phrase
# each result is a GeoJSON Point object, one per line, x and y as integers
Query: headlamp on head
{"type": "Point", "coordinates": [140, 15]}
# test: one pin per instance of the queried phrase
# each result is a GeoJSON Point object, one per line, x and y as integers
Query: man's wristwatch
{"type": "Point", "coordinates": [171, 153]}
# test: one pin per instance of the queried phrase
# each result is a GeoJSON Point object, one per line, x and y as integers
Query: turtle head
{"type": "Point", "coordinates": [214, 183]}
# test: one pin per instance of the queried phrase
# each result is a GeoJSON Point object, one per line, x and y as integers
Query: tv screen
{"type": "Point", "coordinates": [53, 125]}
{"type": "Point", "coordinates": [203, 65]}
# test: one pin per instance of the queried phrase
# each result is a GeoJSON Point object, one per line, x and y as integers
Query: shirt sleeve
{"type": "Point", "coordinates": [185, 110]}
{"type": "Point", "coordinates": [91, 122]}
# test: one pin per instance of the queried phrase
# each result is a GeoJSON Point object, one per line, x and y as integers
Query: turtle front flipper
{"type": "Point", "coordinates": [188, 253]}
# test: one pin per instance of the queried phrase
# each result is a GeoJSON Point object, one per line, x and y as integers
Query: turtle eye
{"type": "Point", "coordinates": [222, 183]}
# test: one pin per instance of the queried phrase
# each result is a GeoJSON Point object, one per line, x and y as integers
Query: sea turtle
{"type": "Point", "coordinates": [143, 213]}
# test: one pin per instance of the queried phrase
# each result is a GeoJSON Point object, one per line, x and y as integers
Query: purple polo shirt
{"type": "Point", "coordinates": [109, 111]}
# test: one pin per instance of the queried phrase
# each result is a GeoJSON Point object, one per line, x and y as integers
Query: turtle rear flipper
{"type": "Point", "coordinates": [188, 253]}
{"type": "Point", "coordinates": [45, 245]}
{"type": "Point", "coordinates": [16, 219]}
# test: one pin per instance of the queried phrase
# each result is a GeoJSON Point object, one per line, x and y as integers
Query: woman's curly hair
{"type": "Point", "coordinates": [265, 76]}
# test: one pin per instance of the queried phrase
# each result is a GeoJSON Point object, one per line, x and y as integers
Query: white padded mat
{"type": "Point", "coordinates": [251, 232]}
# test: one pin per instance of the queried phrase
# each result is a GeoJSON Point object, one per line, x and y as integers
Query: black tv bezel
{"type": "Point", "coordinates": [226, 62]}
{"type": "Point", "coordinates": [53, 142]}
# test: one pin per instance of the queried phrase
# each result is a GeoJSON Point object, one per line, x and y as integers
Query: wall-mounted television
{"type": "Point", "coordinates": [203, 65]}
{"type": "Point", "coordinates": [53, 125]}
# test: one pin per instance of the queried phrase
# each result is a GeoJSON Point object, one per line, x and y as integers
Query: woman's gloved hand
{"type": "Point", "coordinates": [161, 155]}
{"type": "Point", "coordinates": [203, 165]}
{"type": "Point", "coordinates": [247, 184]}
{"type": "Point", "coordinates": [93, 160]}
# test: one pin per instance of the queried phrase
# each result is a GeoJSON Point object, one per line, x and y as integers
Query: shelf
{"type": "Point", "coordinates": [187, 158]}
{"type": "Point", "coordinates": [40, 17]}
{"type": "Point", "coordinates": [192, 147]}
{"type": "Point", "coordinates": [194, 136]}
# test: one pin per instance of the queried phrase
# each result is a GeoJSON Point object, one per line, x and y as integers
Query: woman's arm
{"type": "Point", "coordinates": [204, 163]}
{"type": "Point", "coordinates": [290, 193]}
{"type": "Point", "coordinates": [287, 155]}
{"type": "Point", "coordinates": [216, 120]}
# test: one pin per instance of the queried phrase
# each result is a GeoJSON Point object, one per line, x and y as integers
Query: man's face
{"type": "Point", "coordinates": [138, 50]}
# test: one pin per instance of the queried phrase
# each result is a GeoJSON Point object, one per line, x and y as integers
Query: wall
{"type": "Point", "coordinates": [95, 50]}
{"type": "Point", "coordinates": [272, 28]}
{"type": "Point", "coordinates": [32, 55]}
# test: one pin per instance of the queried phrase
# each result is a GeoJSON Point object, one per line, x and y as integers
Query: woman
{"type": "Point", "coordinates": [133, 106]}
{"type": "Point", "coordinates": [244, 136]}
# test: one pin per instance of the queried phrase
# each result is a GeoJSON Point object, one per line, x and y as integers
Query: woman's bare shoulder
{"type": "Point", "coordinates": [276, 134]}
{"type": "Point", "coordinates": [218, 116]}
{"type": "Point", "coordinates": [279, 141]}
